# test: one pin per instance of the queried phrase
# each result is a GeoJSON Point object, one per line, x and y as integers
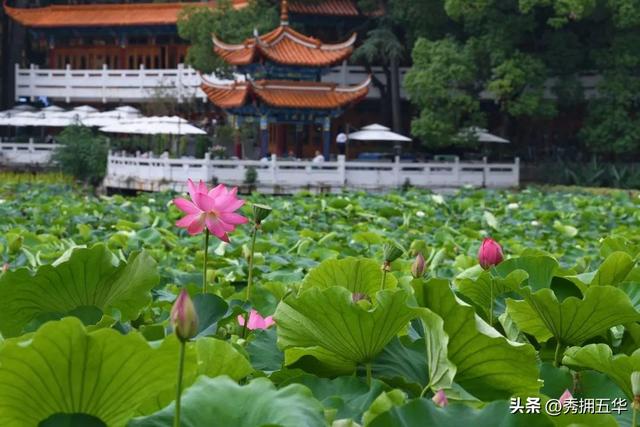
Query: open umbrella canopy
{"type": "Point", "coordinates": [53, 109]}
{"type": "Point", "coordinates": [128, 109]}
{"type": "Point", "coordinates": [85, 109]}
{"type": "Point", "coordinates": [157, 125]}
{"type": "Point", "coordinates": [110, 118]}
{"type": "Point", "coordinates": [483, 135]}
{"type": "Point", "coordinates": [376, 132]}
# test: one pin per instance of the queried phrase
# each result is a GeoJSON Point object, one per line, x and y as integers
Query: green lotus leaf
{"type": "Point", "coordinates": [221, 402]}
{"type": "Point", "coordinates": [210, 357]}
{"type": "Point", "coordinates": [349, 396]}
{"type": "Point", "coordinates": [359, 275]}
{"type": "Point", "coordinates": [540, 268]}
{"type": "Point", "coordinates": [573, 320]}
{"type": "Point", "coordinates": [615, 268]}
{"type": "Point", "coordinates": [217, 357]}
{"type": "Point", "coordinates": [488, 365]}
{"type": "Point", "coordinates": [402, 364]}
{"type": "Point", "coordinates": [383, 403]}
{"type": "Point", "coordinates": [599, 357]}
{"type": "Point", "coordinates": [479, 291]}
{"type": "Point", "coordinates": [340, 333]}
{"type": "Point", "coordinates": [423, 412]}
{"type": "Point", "coordinates": [89, 278]}
{"type": "Point", "coordinates": [62, 368]}
{"type": "Point", "coordinates": [264, 352]}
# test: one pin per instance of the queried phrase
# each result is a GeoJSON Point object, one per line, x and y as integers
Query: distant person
{"type": "Point", "coordinates": [49, 139]}
{"type": "Point", "coordinates": [319, 158]}
{"type": "Point", "coordinates": [291, 155]}
{"type": "Point", "coordinates": [341, 141]}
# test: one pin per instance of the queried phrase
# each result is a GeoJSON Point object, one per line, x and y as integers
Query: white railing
{"type": "Point", "coordinates": [142, 85]}
{"type": "Point", "coordinates": [25, 153]}
{"type": "Point", "coordinates": [155, 174]}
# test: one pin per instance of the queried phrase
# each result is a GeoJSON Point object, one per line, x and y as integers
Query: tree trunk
{"type": "Point", "coordinates": [394, 85]}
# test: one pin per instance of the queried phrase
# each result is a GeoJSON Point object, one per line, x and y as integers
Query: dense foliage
{"type": "Point", "coordinates": [82, 154]}
{"type": "Point", "coordinates": [89, 282]}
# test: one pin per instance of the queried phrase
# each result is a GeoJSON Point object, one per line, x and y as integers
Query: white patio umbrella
{"type": "Point", "coordinates": [53, 109]}
{"type": "Point", "coordinates": [85, 109]}
{"type": "Point", "coordinates": [157, 125]}
{"type": "Point", "coordinates": [483, 135]}
{"type": "Point", "coordinates": [376, 132]}
{"type": "Point", "coordinates": [128, 109]}
{"type": "Point", "coordinates": [110, 118]}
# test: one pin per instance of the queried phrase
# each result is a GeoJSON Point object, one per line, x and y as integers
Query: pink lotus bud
{"type": "Point", "coordinates": [440, 398]}
{"type": "Point", "coordinates": [184, 317]}
{"type": "Point", "coordinates": [417, 268]}
{"type": "Point", "coordinates": [564, 397]}
{"type": "Point", "coordinates": [490, 253]}
{"type": "Point", "coordinates": [5, 267]}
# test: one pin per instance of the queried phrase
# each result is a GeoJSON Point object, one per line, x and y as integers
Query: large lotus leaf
{"type": "Point", "coordinates": [480, 291]}
{"type": "Point", "coordinates": [359, 275]}
{"type": "Point", "coordinates": [349, 396]}
{"type": "Point", "coordinates": [340, 333]}
{"type": "Point", "coordinates": [221, 402]}
{"type": "Point", "coordinates": [488, 365]}
{"type": "Point", "coordinates": [402, 364]}
{"type": "Point", "coordinates": [423, 412]}
{"type": "Point", "coordinates": [64, 369]}
{"type": "Point", "coordinates": [599, 357]}
{"type": "Point", "coordinates": [540, 269]}
{"type": "Point", "coordinates": [615, 268]}
{"type": "Point", "coordinates": [573, 320]}
{"type": "Point", "coordinates": [210, 357]}
{"type": "Point", "coordinates": [89, 278]}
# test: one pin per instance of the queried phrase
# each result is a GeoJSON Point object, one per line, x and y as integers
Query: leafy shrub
{"type": "Point", "coordinates": [251, 176]}
{"type": "Point", "coordinates": [82, 154]}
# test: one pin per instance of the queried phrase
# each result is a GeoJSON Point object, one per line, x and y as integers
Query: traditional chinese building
{"type": "Point", "coordinates": [282, 89]}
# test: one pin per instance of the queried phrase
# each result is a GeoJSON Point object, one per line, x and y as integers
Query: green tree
{"type": "Point", "coordinates": [197, 24]}
{"type": "Point", "coordinates": [82, 154]}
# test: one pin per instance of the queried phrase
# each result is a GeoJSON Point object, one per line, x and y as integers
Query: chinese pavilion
{"type": "Point", "coordinates": [282, 86]}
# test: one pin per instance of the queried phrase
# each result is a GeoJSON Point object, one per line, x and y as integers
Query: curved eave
{"type": "Point", "coordinates": [285, 46]}
{"type": "Point", "coordinates": [225, 96]}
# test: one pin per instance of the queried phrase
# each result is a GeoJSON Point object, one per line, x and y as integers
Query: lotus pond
{"type": "Point", "coordinates": [340, 326]}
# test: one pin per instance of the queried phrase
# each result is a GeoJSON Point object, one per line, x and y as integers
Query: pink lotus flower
{"type": "Point", "coordinates": [565, 397]}
{"type": "Point", "coordinates": [213, 209]}
{"type": "Point", "coordinates": [256, 321]}
{"type": "Point", "coordinates": [490, 253]}
{"type": "Point", "coordinates": [417, 268]}
{"type": "Point", "coordinates": [184, 317]}
{"type": "Point", "coordinates": [440, 398]}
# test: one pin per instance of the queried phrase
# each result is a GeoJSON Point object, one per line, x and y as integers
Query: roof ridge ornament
{"type": "Point", "coordinates": [284, 13]}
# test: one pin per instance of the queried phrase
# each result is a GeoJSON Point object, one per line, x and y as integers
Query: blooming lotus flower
{"type": "Point", "coordinates": [564, 397]}
{"type": "Point", "coordinates": [440, 398]}
{"type": "Point", "coordinates": [213, 209]}
{"type": "Point", "coordinates": [256, 321]}
{"type": "Point", "coordinates": [417, 268]}
{"type": "Point", "coordinates": [184, 317]}
{"type": "Point", "coordinates": [490, 253]}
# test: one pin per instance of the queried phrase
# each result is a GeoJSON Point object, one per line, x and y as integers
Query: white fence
{"type": "Point", "coordinates": [281, 176]}
{"type": "Point", "coordinates": [23, 153]}
{"type": "Point", "coordinates": [142, 85]}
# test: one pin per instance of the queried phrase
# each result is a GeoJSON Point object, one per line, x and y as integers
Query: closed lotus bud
{"type": "Point", "coordinates": [184, 317]}
{"type": "Point", "coordinates": [635, 383]}
{"type": "Point", "coordinates": [440, 398]}
{"type": "Point", "coordinates": [490, 253]}
{"type": "Point", "coordinates": [417, 268]}
{"type": "Point", "coordinates": [5, 267]}
{"type": "Point", "coordinates": [260, 212]}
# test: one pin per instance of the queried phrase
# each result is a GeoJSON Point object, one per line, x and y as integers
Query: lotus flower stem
{"type": "Point", "coordinates": [368, 367]}
{"type": "Point", "coordinates": [491, 302]}
{"type": "Point", "coordinates": [384, 279]}
{"type": "Point", "coordinates": [556, 359]}
{"type": "Point", "coordinates": [633, 417]}
{"type": "Point", "coordinates": [206, 256]}
{"type": "Point", "coordinates": [176, 419]}
{"type": "Point", "coordinates": [254, 233]}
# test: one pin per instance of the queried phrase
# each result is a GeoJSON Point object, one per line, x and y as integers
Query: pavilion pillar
{"type": "Point", "coordinates": [264, 136]}
{"type": "Point", "coordinates": [326, 138]}
{"type": "Point", "coordinates": [236, 137]}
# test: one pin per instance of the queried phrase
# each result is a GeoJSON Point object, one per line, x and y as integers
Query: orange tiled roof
{"type": "Point", "coordinates": [285, 45]}
{"type": "Point", "coordinates": [285, 94]}
{"type": "Point", "coordinates": [325, 7]}
{"type": "Point", "coordinates": [98, 15]}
